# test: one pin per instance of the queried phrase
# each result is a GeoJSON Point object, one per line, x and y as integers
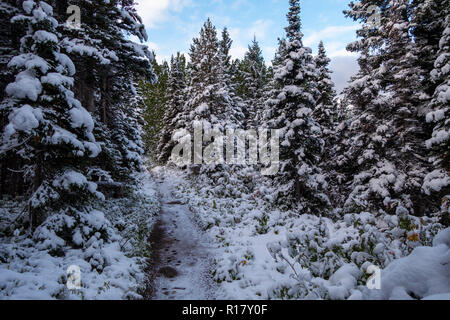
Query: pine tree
{"type": "Point", "coordinates": [95, 66]}
{"type": "Point", "coordinates": [208, 96]}
{"type": "Point", "coordinates": [427, 25]}
{"type": "Point", "coordinates": [404, 79]}
{"type": "Point", "coordinates": [154, 106]}
{"type": "Point", "coordinates": [384, 148]}
{"type": "Point", "coordinates": [325, 112]}
{"type": "Point", "coordinates": [48, 128]}
{"type": "Point", "coordinates": [236, 107]}
{"type": "Point", "coordinates": [108, 66]}
{"type": "Point", "coordinates": [9, 179]}
{"type": "Point", "coordinates": [254, 79]}
{"type": "Point", "coordinates": [290, 109]}
{"type": "Point", "coordinates": [225, 44]}
{"type": "Point", "coordinates": [174, 105]}
{"type": "Point", "coordinates": [437, 182]}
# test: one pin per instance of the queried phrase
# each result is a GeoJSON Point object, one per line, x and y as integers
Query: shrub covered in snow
{"type": "Point", "coordinates": [110, 247]}
{"type": "Point", "coordinates": [272, 254]}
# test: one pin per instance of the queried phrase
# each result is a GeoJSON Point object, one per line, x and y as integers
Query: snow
{"type": "Point", "coordinates": [48, 9]}
{"type": "Point", "coordinates": [93, 148]}
{"type": "Point", "coordinates": [80, 117]}
{"type": "Point", "coordinates": [201, 108]}
{"type": "Point", "coordinates": [62, 136]}
{"type": "Point", "coordinates": [342, 281]}
{"type": "Point", "coordinates": [78, 46]}
{"type": "Point", "coordinates": [45, 36]}
{"type": "Point", "coordinates": [110, 269]}
{"type": "Point", "coordinates": [26, 85]}
{"type": "Point", "coordinates": [186, 248]}
{"type": "Point", "coordinates": [439, 136]}
{"type": "Point", "coordinates": [247, 247]}
{"type": "Point", "coordinates": [57, 80]}
{"type": "Point", "coordinates": [29, 61]}
{"type": "Point", "coordinates": [70, 180]}
{"type": "Point", "coordinates": [66, 63]}
{"type": "Point", "coordinates": [443, 296]}
{"type": "Point", "coordinates": [435, 181]}
{"type": "Point", "coordinates": [253, 257]}
{"type": "Point", "coordinates": [423, 273]}
{"type": "Point", "coordinates": [436, 116]}
{"type": "Point", "coordinates": [28, 6]}
{"type": "Point", "coordinates": [25, 119]}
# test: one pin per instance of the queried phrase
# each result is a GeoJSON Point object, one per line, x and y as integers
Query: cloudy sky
{"type": "Point", "coordinates": [171, 25]}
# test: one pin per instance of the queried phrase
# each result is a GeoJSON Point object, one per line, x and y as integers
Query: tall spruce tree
{"type": "Point", "coordinates": [300, 180]}
{"type": "Point", "coordinates": [175, 100]}
{"type": "Point", "coordinates": [326, 114]}
{"type": "Point", "coordinates": [437, 182]}
{"type": "Point", "coordinates": [95, 66]}
{"type": "Point", "coordinates": [236, 107]}
{"type": "Point", "coordinates": [326, 111]}
{"type": "Point", "coordinates": [385, 146]}
{"type": "Point", "coordinates": [49, 130]}
{"type": "Point", "coordinates": [108, 66]}
{"type": "Point", "coordinates": [253, 81]}
{"type": "Point", "coordinates": [155, 99]}
{"type": "Point", "coordinates": [209, 102]}
{"type": "Point", "coordinates": [427, 24]}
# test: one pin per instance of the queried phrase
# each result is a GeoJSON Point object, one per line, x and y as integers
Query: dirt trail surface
{"type": "Point", "coordinates": [182, 254]}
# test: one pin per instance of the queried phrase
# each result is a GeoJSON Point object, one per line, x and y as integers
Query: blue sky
{"type": "Point", "coordinates": [171, 25]}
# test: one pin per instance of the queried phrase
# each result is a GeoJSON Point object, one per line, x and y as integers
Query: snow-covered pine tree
{"type": "Point", "coordinates": [427, 25]}
{"type": "Point", "coordinates": [235, 111]}
{"type": "Point", "coordinates": [325, 112]}
{"type": "Point", "coordinates": [210, 104]}
{"type": "Point", "coordinates": [175, 100]}
{"type": "Point", "coordinates": [300, 181]}
{"type": "Point", "coordinates": [8, 49]}
{"type": "Point", "coordinates": [253, 81]}
{"type": "Point", "coordinates": [108, 65]}
{"type": "Point", "coordinates": [154, 106]}
{"type": "Point", "coordinates": [225, 44]}
{"type": "Point", "coordinates": [384, 146]}
{"type": "Point", "coordinates": [437, 182]}
{"type": "Point", "coordinates": [48, 128]}
{"type": "Point", "coordinates": [363, 155]}
{"type": "Point", "coordinates": [205, 101]}
{"type": "Point", "coordinates": [407, 101]}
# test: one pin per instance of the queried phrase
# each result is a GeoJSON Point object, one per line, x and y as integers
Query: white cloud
{"type": "Point", "coordinates": [259, 29]}
{"type": "Point", "coordinates": [152, 45]}
{"type": "Point", "coordinates": [344, 67]}
{"type": "Point", "coordinates": [238, 52]}
{"type": "Point", "coordinates": [269, 54]}
{"type": "Point", "coordinates": [335, 39]}
{"type": "Point", "coordinates": [329, 33]}
{"type": "Point", "coordinates": [156, 11]}
{"type": "Point", "coordinates": [343, 63]}
{"type": "Point", "coordinates": [242, 37]}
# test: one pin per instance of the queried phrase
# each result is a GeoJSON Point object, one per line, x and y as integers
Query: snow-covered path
{"type": "Point", "coordinates": [180, 245]}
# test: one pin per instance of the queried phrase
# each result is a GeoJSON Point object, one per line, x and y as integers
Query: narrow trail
{"type": "Point", "coordinates": [182, 256]}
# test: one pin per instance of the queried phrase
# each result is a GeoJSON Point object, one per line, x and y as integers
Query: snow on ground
{"type": "Point", "coordinates": [113, 269]}
{"type": "Point", "coordinates": [226, 247]}
{"type": "Point", "coordinates": [261, 252]}
{"type": "Point", "coordinates": [183, 247]}
{"type": "Point", "coordinates": [243, 268]}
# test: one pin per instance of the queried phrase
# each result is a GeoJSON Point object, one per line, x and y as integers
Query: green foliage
{"type": "Point", "coordinates": [154, 100]}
